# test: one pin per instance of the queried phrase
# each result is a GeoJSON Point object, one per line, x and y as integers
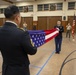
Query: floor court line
{"type": "Point", "coordinates": [34, 66]}
{"type": "Point", "coordinates": [45, 63]}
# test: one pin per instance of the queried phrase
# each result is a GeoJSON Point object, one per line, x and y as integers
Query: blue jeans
{"type": "Point", "coordinates": [58, 42]}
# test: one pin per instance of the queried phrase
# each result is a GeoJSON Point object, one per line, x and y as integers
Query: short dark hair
{"type": "Point", "coordinates": [10, 11]}
{"type": "Point", "coordinates": [59, 20]}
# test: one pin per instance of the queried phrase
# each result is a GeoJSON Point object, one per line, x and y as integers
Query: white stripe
{"type": "Point", "coordinates": [51, 34]}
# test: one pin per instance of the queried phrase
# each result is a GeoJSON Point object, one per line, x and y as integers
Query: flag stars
{"type": "Point", "coordinates": [41, 43]}
{"type": "Point", "coordinates": [36, 41]}
{"type": "Point", "coordinates": [38, 44]}
{"type": "Point", "coordinates": [38, 38]}
{"type": "Point", "coordinates": [36, 35]}
{"type": "Point", "coordinates": [32, 36]}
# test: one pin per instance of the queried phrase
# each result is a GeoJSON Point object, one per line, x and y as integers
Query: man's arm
{"type": "Point", "coordinates": [27, 45]}
{"type": "Point", "coordinates": [61, 29]}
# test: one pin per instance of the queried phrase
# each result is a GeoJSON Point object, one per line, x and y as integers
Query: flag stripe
{"type": "Point", "coordinates": [51, 35]}
{"type": "Point", "coordinates": [73, 27]}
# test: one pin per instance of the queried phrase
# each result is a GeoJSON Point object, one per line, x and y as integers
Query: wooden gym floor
{"type": "Point", "coordinates": [46, 62]}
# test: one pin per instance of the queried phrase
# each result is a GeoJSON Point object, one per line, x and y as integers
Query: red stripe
{"type": "Point", "coordinates": [49, 31]}
{"type": "Point", "coordinates": [51, 37]}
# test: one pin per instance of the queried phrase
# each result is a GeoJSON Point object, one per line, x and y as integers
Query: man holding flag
{"type": "Point", "coordinates": [58, 39]}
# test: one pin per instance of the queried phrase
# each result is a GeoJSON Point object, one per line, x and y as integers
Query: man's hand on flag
{"type": "Point", "coordinates": [58, 29]}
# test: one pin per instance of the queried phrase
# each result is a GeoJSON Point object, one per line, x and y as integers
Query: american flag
{"type": "Point", "coordinates": [39, 37]}
{"type": "Point", "coordinates": [73, 27]}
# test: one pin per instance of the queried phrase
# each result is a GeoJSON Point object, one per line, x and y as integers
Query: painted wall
{"type": "Point", "coordinates": [36, 13]}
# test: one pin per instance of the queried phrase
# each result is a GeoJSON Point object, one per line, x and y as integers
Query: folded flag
{"type": "Point", "coordinates": [39, 37]}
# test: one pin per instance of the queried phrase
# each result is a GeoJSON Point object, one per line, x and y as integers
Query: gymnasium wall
{"type": "Point", "coordinates": [48, 15]}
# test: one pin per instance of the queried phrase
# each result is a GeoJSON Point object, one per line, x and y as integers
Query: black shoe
{"type": "Point", "coordinates": [57, 52]}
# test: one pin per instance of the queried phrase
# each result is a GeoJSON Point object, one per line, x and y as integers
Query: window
{"type": "Point", "coordinates": [21, 8]}
{"type": "Point", "coordinates": [40, 7]}
{"type": "Point", "coordinates": [71, 5]}
{"type": "Point", "coordinates": [59, 6]}
{"type": "Point", "coordinates": [30, 8]}
{"type": "Point", "coordinates": [46, 7]}
{"type": "Point", "coordinates": [51, 7]}
{"type": "Point", "coordinates": [1, 11]}
{"type": "Point", "coordinates": [26, 8]}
